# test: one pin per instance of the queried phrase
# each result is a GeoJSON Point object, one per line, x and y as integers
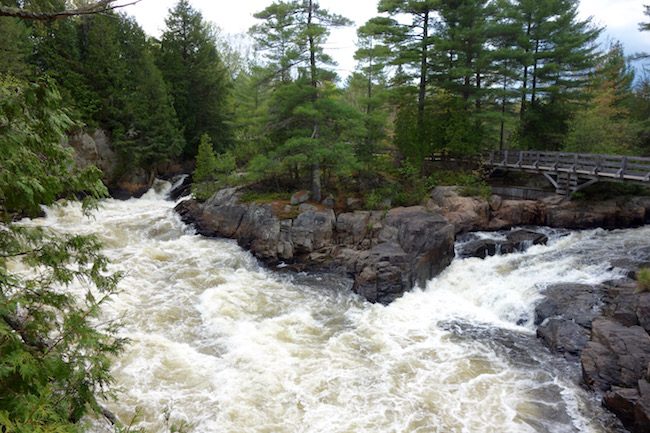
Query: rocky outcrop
{"type": "Point", "coordinates": [565, 314]}
{"type": "Point", "coordinates": [606, 326]}
{"type": "Point", "coordinates": [479, 214]}
{"type": "Point", "coordinates": [94, 148]}
{"type": "Point", "coordinates": [387, 253]}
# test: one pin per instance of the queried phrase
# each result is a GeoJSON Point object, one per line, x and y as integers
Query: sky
{"type": "Point", "coordinates": [620, 17]}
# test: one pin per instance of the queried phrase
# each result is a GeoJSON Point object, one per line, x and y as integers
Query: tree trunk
{"type": "Point", "coordinates": [316, 192]}
{"type": "Point", "coordinates": [423, 77]}
{"type": "Point", "coordinates": [525, 80]}
{"type": "Point", "coordinates": [534, 90]}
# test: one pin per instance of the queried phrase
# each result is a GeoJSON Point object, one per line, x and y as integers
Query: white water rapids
{"type": "Point", "coordinates": [224, 345]}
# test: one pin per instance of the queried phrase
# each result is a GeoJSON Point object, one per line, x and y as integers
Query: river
{"type": "Point", "coordinates": [221, 344]}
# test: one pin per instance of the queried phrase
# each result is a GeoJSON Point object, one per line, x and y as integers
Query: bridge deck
{"type": "Point", "coordinates": [615, 167]}
{"type": "Point", "coordinates": [571, 168]}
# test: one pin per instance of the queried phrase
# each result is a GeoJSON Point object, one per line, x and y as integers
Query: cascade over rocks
{"type": "Point", "coordinates": [516, 241]}
{"type": "Point", "coordinates": [387, 253]}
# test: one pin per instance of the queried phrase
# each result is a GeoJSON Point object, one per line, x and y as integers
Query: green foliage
{"type": "Point", "coordinates": [605, 125]}
{"type": "Point", "coordinates": [14, 47]}
{"type": "Point", "coordinates": [470, 183]}
{"type": "Point", "coordinates": [263, 197]}
{"type": "Point", "coordinates": [211, 172]}
{"type": "Point", "coordinates": [34, 168]}
{"type": "Point", "coordinates": [55, 363]}
{"type": "Point", "coordinates": [196, 77]}
{"type": "Point", "coordinates": [643, 280]}
{"type": "Point", "coordinates": [54, 359]}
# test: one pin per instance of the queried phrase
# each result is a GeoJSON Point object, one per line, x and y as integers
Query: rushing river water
{"type": "Point", "coordinates": [224, 345]}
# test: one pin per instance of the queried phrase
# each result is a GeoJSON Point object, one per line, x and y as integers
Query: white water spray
{"type": "Point", "coordinates": [223, 345]}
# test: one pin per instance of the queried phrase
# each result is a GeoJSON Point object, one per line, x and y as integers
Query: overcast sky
{"type": "Point", "coordinates": [620, 17]}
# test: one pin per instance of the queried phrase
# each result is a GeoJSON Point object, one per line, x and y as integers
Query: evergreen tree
{"type": "Point", "coordinates": [14, 47]}
{"type": "Point", "coordinates": [411, 46]}
{"type": "Point", "coordinates": [559, 55]}
{"type": "Point", "coordinates": [311, 117]}
{"type": "Point", "coordinates": [372, 56]}
{"type": "Point", "coordinates": [55, 363]}
{"type": "Point", "coordinates": [605, 124]}
{"type": "Point", "coordinates": [196, 77]}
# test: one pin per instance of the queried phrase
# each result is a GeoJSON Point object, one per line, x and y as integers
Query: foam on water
{"type": "Point", "coordinates": [227, 346]}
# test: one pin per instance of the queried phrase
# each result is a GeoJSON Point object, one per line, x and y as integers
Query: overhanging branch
{"type": "Point", "coordinates": [94, 8]}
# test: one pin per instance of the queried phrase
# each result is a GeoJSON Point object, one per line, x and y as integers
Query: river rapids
{"type": "Point", "coordinates": [221, 344]}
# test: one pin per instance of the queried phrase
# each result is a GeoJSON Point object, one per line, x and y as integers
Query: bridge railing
{"type": "Point", "coordinates": [611, 166]}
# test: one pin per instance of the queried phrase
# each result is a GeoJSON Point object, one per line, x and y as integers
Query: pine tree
{"type": "Point", "coordinates": [311, 131]}
{"type": "Point", "coordinates": [560, 52]}
{"type": "Point", "coordinates": [412, 46]}
{"type": "Point", "coordinates": [196, 77]}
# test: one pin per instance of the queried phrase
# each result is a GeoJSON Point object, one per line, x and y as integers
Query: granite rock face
{"type": "Point", "coordinates": [387, 253]}
{"type": "Point", "coordinates": [479, 214]}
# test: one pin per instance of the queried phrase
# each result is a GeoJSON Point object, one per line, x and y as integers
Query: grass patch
{"type": "Point", "coordinates": [471, 184]}
{"type": "Point", "coordinates": [263, 197]}
{"type": "Point", "coordinates": [643, 280]}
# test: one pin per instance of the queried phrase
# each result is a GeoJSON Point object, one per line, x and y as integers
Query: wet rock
{"type": "Point", "coordinates": [622, 302]}
{"type": "Point", "coordinates": [522, 239]}
{"type": "Point", "coordinates": [352, 227]}
{"type": "Point", "coordinates": [259, 231]}
{"type": "Point", "coordinates": [608, 214]}
{"type": "Point", "coordinates": [519, 240]}
{"type": "Point", "coordinates": [300, 197]}
{"type": "Point", "coordinates": [382, 278]}
{"type": "Point", "coordinates": [643, 311]}
{"type": "Point", "coordinates": [563, 336]}
{"type": "Point", "coordinates": [182, 189]}
{"type": "Point", "coordinates": [387, 253]}
{"type": "Point", "coordinates": [617, 355]}
{"type": "Point", "coordinates": [579, 303]}
{"type": "Point", "coordinates": [415, 246]}
{"type": "Point", "coordinates": [622, 401]}
{"type": "Point", "coordinates": [481, 248]}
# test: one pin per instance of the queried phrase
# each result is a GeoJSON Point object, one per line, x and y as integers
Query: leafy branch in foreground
{"type": "Point", "coordinates": [55, 356]}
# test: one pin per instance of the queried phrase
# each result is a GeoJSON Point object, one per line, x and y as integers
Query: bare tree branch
{"type": "Point", "coordinates": [98, 7]}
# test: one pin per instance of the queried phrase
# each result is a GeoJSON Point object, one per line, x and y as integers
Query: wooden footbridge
{"type": "Point", "coordinates": [571, 172]}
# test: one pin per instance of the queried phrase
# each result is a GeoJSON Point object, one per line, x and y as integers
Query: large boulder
{"type": "Point", "coordinates": [617, 355]}
{"type": "Point", "coordinates": [579, 303]}
{"type": "Point", "coordinates": [313, 230]}
{"type": "Point", "coordinates": [465, 213]}
{"type": "Point", "coordinates": [512, 213]}
{"type": "Point", "coordinates": [416, 245]}
{"type": "Point", "coordinates": [565, 315]}
{"type": "Point", "coordinates": [608, 214]}
{"type": "Point", "coordinates": [94, 148]}
{"type": "Point", "coordinates": [516, 241]}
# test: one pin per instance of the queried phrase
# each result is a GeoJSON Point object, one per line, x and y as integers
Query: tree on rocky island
{"type": "Point", "coordinates": [306, 121]}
